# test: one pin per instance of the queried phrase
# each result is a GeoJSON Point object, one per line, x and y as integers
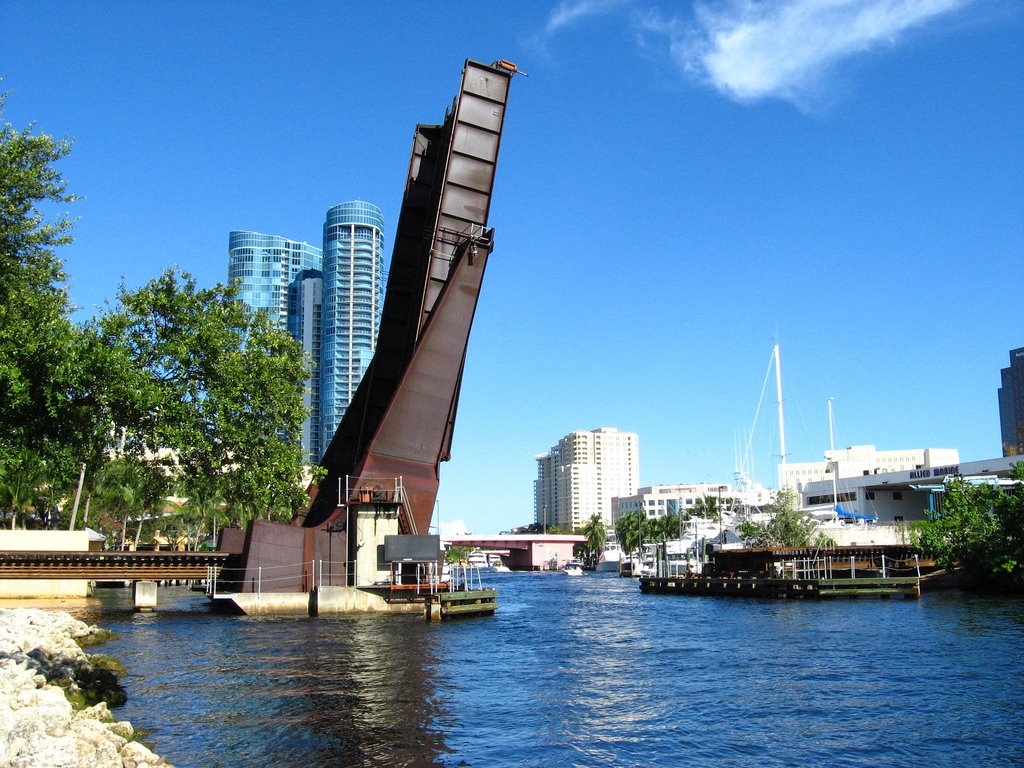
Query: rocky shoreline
{"type": "Point", "coordinates": [55, 699]}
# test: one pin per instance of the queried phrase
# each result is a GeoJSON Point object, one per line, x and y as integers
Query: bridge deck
{"type": "Point", "coordinates": [110, 566]}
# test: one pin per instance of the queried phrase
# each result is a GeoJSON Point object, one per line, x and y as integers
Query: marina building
{"type": "Point", "coordinates": [329, 299]}
{"type": "Point", "coordinates": [579, 477]}
{"type": "Point", "coordinates": [859, 460]}
{"type": "Point", "coordinates": [1011, 405]}
{"type": "Point", "coordinates": [895, 497]}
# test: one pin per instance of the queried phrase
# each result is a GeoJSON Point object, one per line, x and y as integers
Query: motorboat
{"type": "Point", "coordinates": [573, 568]}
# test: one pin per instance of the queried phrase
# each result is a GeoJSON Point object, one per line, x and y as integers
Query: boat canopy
{"type": "Point", "coordinates": [853, 515]}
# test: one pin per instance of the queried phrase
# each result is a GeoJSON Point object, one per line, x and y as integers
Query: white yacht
{"type": "Point", "coordinates": [610, 558]}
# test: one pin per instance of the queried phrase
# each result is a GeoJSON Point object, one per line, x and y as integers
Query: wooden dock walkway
{"type": "Point", "coordinates": [446, 605]}
{"type": "Point", "coordinates": [801, 589]}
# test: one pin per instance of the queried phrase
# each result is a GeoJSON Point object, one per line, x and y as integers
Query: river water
{"type": "Point", "coordinates": [579, 671]}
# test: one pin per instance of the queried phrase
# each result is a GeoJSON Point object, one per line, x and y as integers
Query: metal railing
{"type": "Point", "coordinates": [869, 567]}
{"type": "Point", "coordinates": [380, 490]}
{"type": "Point", "coordinates": [451, 577]}
{"type": "Point", "coordinates": [310, 574]}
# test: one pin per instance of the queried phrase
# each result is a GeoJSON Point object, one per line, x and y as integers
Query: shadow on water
{"type": "Point", "coordinates": [216, 690]}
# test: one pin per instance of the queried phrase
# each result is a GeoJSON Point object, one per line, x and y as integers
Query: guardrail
{"type": "Point", "coordinates": [311, 574]}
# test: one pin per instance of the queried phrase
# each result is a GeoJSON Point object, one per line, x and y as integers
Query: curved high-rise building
{"type": "Point", "coordinates": [353, 297]}
{"type": "Point", "coordinates": [265, 266]}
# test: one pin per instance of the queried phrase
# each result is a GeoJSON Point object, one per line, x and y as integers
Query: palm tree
{"type": "Point", "coordinates": [631, 530]}
{"type": "Point", "coordinates": [594, 530]}
{"type": "Point", "coordinates": [23, 477]}
{"type": "Point", "coordinates": [670, 527]}
{"type": "Point", "coordinates": [707, 507]}
{"type": "Point", "coordinates": [126, 485]}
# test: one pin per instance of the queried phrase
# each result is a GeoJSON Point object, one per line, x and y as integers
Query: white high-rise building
{"type": "Point", "coordinates": [579, 477]}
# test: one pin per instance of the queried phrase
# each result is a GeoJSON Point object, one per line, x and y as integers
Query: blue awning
{"type": "Point", "coordinates": [853, 515]}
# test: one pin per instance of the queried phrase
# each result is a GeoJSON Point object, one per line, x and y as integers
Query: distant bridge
{"type": "Point", "coordinates": [526, 551]}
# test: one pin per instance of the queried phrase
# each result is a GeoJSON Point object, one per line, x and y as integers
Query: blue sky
{"type": "Point", "coordinates": [680, 186]}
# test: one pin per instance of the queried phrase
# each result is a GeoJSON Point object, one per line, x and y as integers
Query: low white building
{"type": "Point", "coordinates": [895, 497]}
{"type": "Point", "coordinates": [860, 460]}
{"type": "Point", "coordinates": [687, 499]}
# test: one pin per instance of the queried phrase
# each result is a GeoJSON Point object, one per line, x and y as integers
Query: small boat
{"type": "Point", "coordinates": [573, 568]}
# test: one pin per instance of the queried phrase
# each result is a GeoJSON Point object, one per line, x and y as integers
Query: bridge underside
{"type": "Point", "coordinates": [401, 419]}
{"type": "Point", "coordinates": [383, 464]}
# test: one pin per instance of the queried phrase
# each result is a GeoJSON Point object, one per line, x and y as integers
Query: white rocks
{"type": "Point", "coordinates": [38, 726]}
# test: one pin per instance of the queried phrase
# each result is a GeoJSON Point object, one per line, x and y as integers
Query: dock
{"type": "Point", "coordinates": [800, 589]}
{"type": "Point", "coordinates": [447, 605]}
{"type": "Point", "coordinates": [801, 573]}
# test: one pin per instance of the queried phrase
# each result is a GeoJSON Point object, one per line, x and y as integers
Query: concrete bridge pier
{"type": "Point", "coordinates": [144, 595]}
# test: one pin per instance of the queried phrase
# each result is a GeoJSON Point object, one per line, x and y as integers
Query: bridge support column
{"type": "Point", "coordinates": [144, 595]}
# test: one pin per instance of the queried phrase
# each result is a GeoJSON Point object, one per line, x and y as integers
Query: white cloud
{"type": "Point", "coordinates": [750, 50]}
{"type": "Point", "coordinates": [568, 12]}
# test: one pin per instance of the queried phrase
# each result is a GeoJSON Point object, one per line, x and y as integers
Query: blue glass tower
{"type": "Point", "coordinates": [353, 298]}
{"type": "Point", "coordinates": [283, 278]}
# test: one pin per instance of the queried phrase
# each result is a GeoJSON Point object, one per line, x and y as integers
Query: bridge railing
{"type": "Point", "coordinates": [302, 576]}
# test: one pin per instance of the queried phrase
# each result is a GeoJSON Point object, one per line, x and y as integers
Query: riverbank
{"type": "Point", "coordinates": [55, 699]}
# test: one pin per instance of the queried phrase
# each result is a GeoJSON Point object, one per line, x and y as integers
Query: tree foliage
{"type": "Point", "coordinates": [215, 388]}
{"type": "Point", "coordinates": [980, 529]}
{"type": "Point", "coordinates": [41, 383]}
{"type": "Point", "coordinates": [591, 549]}
{"type": "Point", "coordinates": [175, 385]}
{"type": "Point", "coordinates": [786, 526]}
{"type": "Point", "coordinates": [632, 529]}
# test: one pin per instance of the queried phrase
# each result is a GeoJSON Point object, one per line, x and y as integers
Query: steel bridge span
{"type": "Point", "coordinates": [112, 566]}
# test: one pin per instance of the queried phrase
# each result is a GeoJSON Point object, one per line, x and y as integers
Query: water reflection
{"type": "Point", "coordinates": [217, 690]}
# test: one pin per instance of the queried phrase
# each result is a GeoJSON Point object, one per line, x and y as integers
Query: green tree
{"type": "Point", "coordinates": [787, 526]}
{"type": "Point", "coordinates": [668, 527]}
{"type": "Point", "coordinates": [126, 488]}
{"type": "Point", "coordinates": [632, 529]}
{"type": "Point", "coordinates": [979, 529]}
{"type": "Point", "coordinates": [594, 530]}
{"type": "Point", "coordinates": [51, 388]}
{"type": "Point", "coordinates": [23, 479]}
{"type": "Point", "coordinates": [215, 387]}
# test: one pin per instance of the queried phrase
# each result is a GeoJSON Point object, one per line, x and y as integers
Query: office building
{"type": "Point", "coordinates": [1011, 405]}
{"type": "Point", "coordinates": [271, 271]}
{"type": "Point", "coordinates": [328, 299]}
{"type": "Point", "coordinates": [353, 298]}
{"type": "Point", "coordinates": [264, 266]}
{"type": "Point", "coordinates": [579, 476]}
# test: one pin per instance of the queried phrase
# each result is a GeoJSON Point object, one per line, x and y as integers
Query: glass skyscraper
{"type": "Point", "coordinates": [282, 277]}
{"type": "Point", "coordinates": [1011, 405]}
{"type": "Point", "coordinates": [353, 299]}
{"type": "Point", "coordinates": [329, 300]}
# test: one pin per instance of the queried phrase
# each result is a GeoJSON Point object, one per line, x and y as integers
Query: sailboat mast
{"type": "Point", "coordinates": [832, 458]}
{"type": "Point", "coordinates": [783, 481]}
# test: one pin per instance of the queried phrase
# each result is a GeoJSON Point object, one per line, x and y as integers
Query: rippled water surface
{"type": "Point", "coordinates": [580, 671]}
